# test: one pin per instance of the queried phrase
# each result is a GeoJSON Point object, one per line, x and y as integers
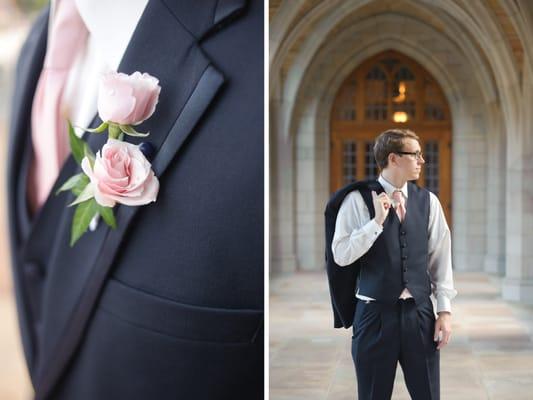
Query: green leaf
{"type": "Point", "coordinates": [87, 152]}
{"type": "Point", "coordinates": [80, 187]}
{"type": "Point", "coordinates": [128, 130]}
{"type": "Point", "coordinates": [76, 144]}
{"type": "Point", "coordinates": [85, 195]}
{"type": "Point", "coordinates": [82, 218]}
{"type": "Point", "coordinates": [108, 216]}
{"type": "Point", "coordinates": [102, 127]}
{"type": "Point", "coordinates": [73, 182]}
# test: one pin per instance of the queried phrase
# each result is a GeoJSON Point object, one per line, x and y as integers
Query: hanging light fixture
{"type": "Point", "coordinates": [399, 95]}
{"type": "Point", "coordinates": [400, 117]}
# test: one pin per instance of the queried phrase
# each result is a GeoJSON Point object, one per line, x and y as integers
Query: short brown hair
{"type": "Point", "coordinates": [390, 141]}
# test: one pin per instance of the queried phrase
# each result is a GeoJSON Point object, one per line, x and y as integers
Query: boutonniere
{"type": "Point", "coordinates": [119, 172]}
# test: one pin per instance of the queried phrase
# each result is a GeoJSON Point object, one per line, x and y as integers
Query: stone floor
{"type": "Point", "coordinates": [490, 355]}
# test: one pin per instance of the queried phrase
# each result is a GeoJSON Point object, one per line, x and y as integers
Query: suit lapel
{"type": "Point", "coordinates": [165, 48]}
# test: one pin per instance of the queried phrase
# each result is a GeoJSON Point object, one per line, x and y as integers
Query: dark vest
{"type": "Point", "coordinates": [398, 258]}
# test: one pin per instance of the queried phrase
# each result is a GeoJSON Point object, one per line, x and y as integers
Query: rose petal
{"type": "Point", "coordinates": [122, 174]}
{"type": "Point", "coordinates": [116, 100]}
{"type": "Point", "coordinates": [103, 200]}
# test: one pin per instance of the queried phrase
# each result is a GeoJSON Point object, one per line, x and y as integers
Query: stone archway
{"type": "Point", "coordinates": [308, 127]}
{"type": "Point", "coordinates": [486, 79]}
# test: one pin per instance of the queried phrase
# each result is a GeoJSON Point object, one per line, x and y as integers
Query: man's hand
{"type": "Point", "coordinates": [382, 205]}
{"type": "Point", "coordinates": [443, 325]}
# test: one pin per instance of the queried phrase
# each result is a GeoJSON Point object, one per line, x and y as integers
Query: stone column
{"type": "Point", "coordinates": [496, 167]}
{"type": "Point", "coordinates": [282, 235]}
{"type": "Point", "coordinates": [518, 282]}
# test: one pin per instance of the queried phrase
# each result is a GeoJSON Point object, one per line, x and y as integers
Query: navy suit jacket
{"type": "Point", "coordinates": [170, 304]}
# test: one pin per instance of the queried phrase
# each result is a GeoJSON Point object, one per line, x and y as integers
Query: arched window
{"type": "Point", "coordinates": [345, 110]}
{"type": "Point", "coordinates": [403, 94]}
{"type": "Point", "coordinates": [393, 89]}
{"type": "Point", "coordinates": [376, 95]}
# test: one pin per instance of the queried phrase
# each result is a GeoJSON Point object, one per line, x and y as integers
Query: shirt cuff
{"type": "Point", "coordinates": [443, 304]}
{"type": "Point", "coordinates": [372, 228]}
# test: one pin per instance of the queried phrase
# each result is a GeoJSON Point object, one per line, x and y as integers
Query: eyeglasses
{"type": "Point", "coordinates": [416, 154]}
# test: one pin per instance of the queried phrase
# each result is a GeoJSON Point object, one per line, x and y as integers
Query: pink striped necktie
{"type": "Point", "coordinates": [397, 196]}
{"type": "Point", "coordinates": [67, 37]}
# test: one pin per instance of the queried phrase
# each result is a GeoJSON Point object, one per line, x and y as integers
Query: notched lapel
{"type": "Point", "coordinates": [189, 83]}
{"type": "Point", "coordinates": [212, 16]}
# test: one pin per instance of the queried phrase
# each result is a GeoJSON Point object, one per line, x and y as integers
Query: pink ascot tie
{"type": "Point", "coordinates": [67, 36]}
{"type": "Point", "coordinates": [397, 196]}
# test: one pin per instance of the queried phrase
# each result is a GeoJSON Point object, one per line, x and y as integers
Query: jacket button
{"type": "Point", "coordinates": [147, 149]}
{"type": "Point", "coordinates": [402, 233]}
{"type": "Point", "coordinates": [33, 271]}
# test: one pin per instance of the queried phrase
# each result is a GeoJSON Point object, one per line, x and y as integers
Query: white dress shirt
{"type": "Point", "coordinates": [355, 234]}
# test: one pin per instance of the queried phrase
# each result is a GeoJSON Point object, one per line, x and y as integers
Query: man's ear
{"type": "Point", "coordinates": [392, 159]}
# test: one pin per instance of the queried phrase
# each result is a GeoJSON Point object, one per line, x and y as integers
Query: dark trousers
{"type": "Point", "coordinates": [387, 333]}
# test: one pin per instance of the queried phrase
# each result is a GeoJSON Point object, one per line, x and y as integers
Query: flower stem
{"type": "Point", "coordinates": [114, 131]}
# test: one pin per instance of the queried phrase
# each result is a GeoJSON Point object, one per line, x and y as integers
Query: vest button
{"type": "Point", "coordinates": [402, 233]}
{"type": "Point", "coordinates": [405, 270]}
{"type": "Point", "coordinates": [404, 257]}
{"type": "Point", "coordinates": [403, 245]}
{"type": "Point", "coordinates": [406, 281]}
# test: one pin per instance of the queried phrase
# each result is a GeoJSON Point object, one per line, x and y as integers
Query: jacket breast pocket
{"type": "Point", "coordinates": [182, 321]}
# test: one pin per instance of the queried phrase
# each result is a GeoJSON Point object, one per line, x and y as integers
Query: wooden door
{"type": "Point", "coordinates": [387, 91]}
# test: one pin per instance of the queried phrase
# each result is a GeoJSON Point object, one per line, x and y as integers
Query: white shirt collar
{"type": "Point", "coordinates": [390, 188]}
{"type": "Point", "coordinates": [111, 25]}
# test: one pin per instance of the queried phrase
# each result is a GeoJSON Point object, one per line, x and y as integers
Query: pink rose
{"type": "Point", "coordinates": [127, 99]}
{"type": "Point", "coordinates": [121, 174]}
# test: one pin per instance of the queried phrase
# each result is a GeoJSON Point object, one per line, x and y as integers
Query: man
{"type": "Point", "coordinates": [399, 235]}
{"type": "Point", "coordinates": [170, 303]}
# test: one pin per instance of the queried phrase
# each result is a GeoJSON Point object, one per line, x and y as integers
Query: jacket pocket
{"type": "Point", "coordinates": [183, 321]}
